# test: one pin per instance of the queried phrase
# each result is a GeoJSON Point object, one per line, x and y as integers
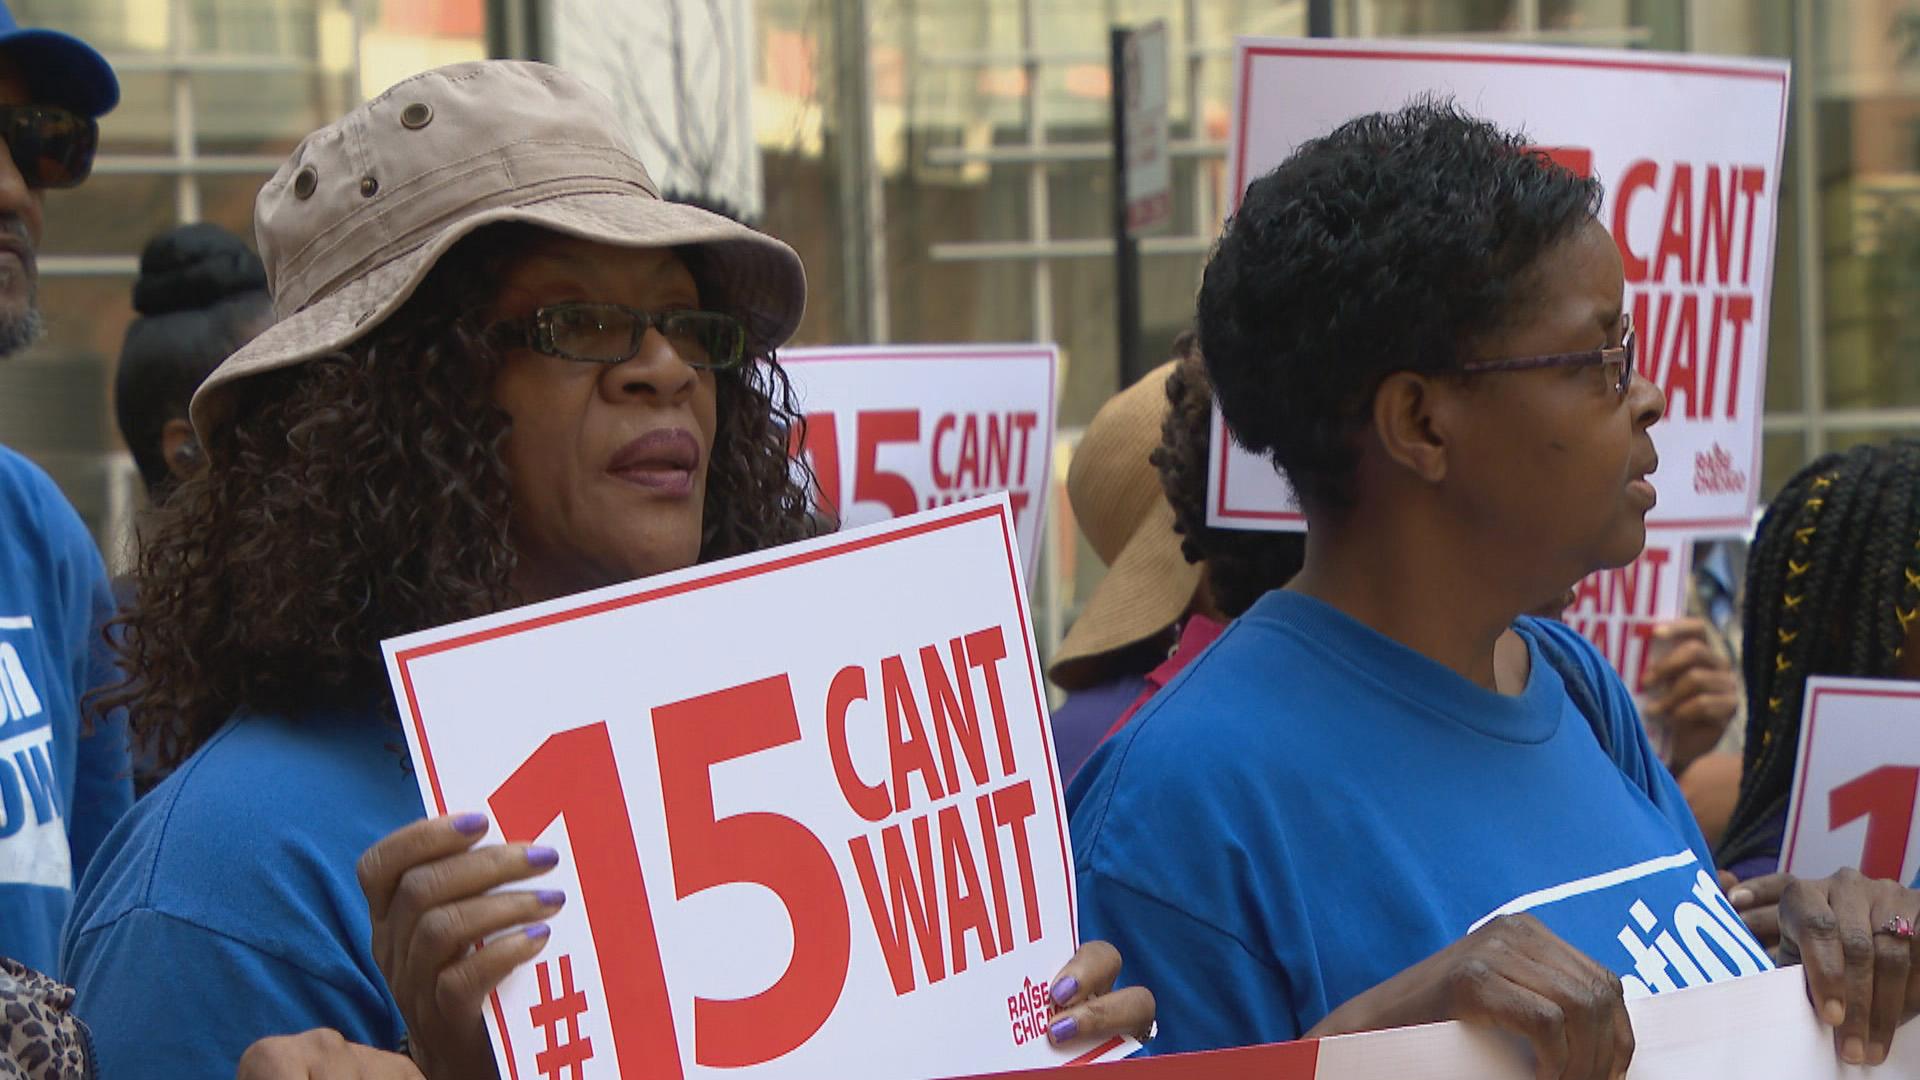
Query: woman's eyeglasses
{"type": "Point", "coordinates": [51, 146]}
{"type": "Point", "coordinates": [1615, 362]}
{"type": "Point", "coordinates": [612, 333]}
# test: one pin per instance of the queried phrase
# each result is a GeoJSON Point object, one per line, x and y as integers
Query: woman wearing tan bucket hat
{"type": "Point", "coordinates": [503, 370]}
{"type": "Point", "coordinates": [1138, 486]}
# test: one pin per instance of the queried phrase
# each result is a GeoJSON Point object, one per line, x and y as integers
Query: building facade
{"type": "Point", "coordinates": [943, 167]}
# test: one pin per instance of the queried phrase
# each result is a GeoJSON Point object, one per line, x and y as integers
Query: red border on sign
{"type": "Point", "coordinates": [1271, 1061]}
{"type": "Point", "coordinates": [405, 657]}
{"type": "Point", "coordinates": [1795, 811]}
{"type": "Point", "coordinates": [1221, 509]}
{"type": "Point", "coordinates": [1015, 351]}
{"type": "Point", "coordinates": [1734, 523]}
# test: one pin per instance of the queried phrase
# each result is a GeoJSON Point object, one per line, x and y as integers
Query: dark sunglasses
{"type": "Point", "coordinates": [1616, 362]}
{"type": "Point", "coordinates": [51, 146]}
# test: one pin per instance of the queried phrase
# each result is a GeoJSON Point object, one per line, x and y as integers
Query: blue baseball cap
{"type": "Point", "coordinates": [60, 69]}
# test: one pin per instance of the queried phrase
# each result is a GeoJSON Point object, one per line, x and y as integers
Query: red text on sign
{"type": "Point", "coordinates": [572, 776]}
{"type": "Point", "coordinates": [767, 849]}
{"type": "Point", "coordinates": [1030, 1011]}
{"type": "Point", "coordinates": [1618, 611]}
{"type": "Point", "coordinates": [970, 454]}
{"type": "Point", "coordinates": [1691, 293]}
{"type": "Point", "coordinates": [1885, 797]}
{"type": "Point", "coordinates": [939, 879]}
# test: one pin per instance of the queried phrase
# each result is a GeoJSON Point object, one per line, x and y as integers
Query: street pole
{"type": "Point", "coordinates": [1126, 300]}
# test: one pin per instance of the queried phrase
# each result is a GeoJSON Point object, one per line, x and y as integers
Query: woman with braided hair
{"type": "Point", "coordinates": [1833, 588]}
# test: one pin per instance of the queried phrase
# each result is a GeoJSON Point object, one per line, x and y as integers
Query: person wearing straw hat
{"type": "Point", "coordinates": [1139, 488]}
{"type": "Point", "coordinates": [1130, 622]}
{"type": "Point", "coordinates": [502, 370]}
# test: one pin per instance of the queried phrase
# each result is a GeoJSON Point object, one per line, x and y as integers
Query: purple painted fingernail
{"type": "Point", "coordinates": [1065, 989]}
{"type": "Point", "coordinates": [539, 931]}
{"type": "Point", "coordinates": [470, 824]}
{"type": "Point", "coordinates": [1064, 1030]}
{"type": "Point", "coordinates": [551, 897]}
{"type": "Point", "coordinates": [542, 856]}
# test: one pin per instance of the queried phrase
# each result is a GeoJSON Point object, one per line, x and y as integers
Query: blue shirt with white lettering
{"type": "Point", "coordinates": [1311, 808]}
{"type": "Point", "coordinates": [59, 791]}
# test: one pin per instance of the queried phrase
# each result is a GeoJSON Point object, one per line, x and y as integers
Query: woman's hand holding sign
{"type": "Point", "coordinates": [431, 896]}
{"type": "Point", "coordinates": [1856, 937]}
{"type": "Point", "coordinates": [1515, 975]}
{"type": "Point", "coordinates": [1088, 1008]}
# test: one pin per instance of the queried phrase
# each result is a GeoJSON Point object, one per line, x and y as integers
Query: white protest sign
{"type": "Point", "coordinates": [1855, 780]}
{"type": "Point", "coordinates": [1688, 149]}
{"type": "Point", "coordinates": [1618, 610]}
{"type": "Point", "coordinates": [1759, 1026]}
{"type": "Point", "coordinates": [892, 429]}
{"type": "Point", "coordinates": [1144, 108]}
{"type": "Point", "coordinates": [806, 829]}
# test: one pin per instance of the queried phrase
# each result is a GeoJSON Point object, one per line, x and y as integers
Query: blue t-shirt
{"type": "Point", "coordinates": [224, 908]}
{"type": "Point", "coordinates": [1312, 808]}
{"type": "Point", "coordinates": [59, 792]}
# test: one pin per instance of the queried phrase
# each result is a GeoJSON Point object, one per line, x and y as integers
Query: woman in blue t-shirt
{"type": "Point", "coordinates": [504, 370]}
{"type": "Point", "coordinates": [1384, 797]}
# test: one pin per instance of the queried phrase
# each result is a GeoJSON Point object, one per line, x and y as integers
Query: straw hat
{"type": "Point", "coordinates": [1118, 502]}
{"type": "Point", "coordinates": [356, 218]}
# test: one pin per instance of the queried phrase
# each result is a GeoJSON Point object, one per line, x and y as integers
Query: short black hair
{"type": "Point", "coordinates": [1242, 565]}
{"type": "Point", "coordinates": [1386, 246]}
{"type": "Point", "coordinates": [1833, 582]}
{"type": "Point", "coordinates": [201, 294]}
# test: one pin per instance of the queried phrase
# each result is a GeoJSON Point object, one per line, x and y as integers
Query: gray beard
{"type": "Point", "coordinates": [19, 331]}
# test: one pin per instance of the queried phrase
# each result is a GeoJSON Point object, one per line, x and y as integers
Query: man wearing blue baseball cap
{"type": "Point", "coordinates": [63, 782]}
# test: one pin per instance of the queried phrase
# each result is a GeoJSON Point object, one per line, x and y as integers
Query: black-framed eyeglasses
{"type": "Point", "coordinates": [1616, 361]}
{"type": "Point", "coordinates": [51, 146]}
{"type": "Point", "coordinates": [611, 334]}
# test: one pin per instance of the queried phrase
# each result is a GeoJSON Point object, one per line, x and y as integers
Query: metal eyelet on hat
{"type": "Point", "coordinates": [416, 116]}
{"type": "Point", "coordinates": [369, 187]}
{"type": "Point", "coordinates": [304, 182]}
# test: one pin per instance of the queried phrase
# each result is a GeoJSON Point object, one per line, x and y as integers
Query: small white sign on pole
{"type": "Point", "coordinates": [892, 429]}
{"type": "Point", "coordinates": [1855, 781]}
{"type": "Point", "coordinates": [808, 813]}
{"type": "Point", "coordinates": [1688, 149]}
{"type": "Point", "coordinates": [1144, 109]}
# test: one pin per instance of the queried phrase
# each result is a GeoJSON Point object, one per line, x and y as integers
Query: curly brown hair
{"type": "Point", "coordinates": [1241, 566]}
{"type": "Point", "coordinates": [363, 495]}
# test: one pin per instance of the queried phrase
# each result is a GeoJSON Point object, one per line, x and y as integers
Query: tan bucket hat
{"type": "Point", "coordinates": [354, 220]}
{"type": "Point", "coordinates": [1119, 504]}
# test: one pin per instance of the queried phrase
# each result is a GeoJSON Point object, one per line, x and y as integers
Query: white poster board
{"type": "Point", "coordinates": [1144, 106]}
{"type": "Point", "coordinates": [1688, 148]}
{"type": "Point", "coordinates": [1759, 1026]}
{"type": "Point", "coordinates": [892, 429]}
{"type": "Point", "coordinates": [806, 829]}
{"type": "Point", "coordinates": [1618, 610]}
{"type": "Point", "coordinates": [1855, 780]}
